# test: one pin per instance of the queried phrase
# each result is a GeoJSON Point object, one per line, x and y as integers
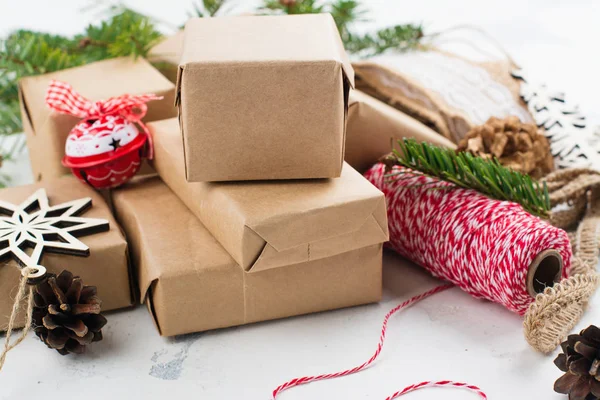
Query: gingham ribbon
{"type": "Point", "coordinates": [62, 98]}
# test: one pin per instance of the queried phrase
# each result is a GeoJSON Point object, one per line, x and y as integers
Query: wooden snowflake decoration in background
{"type": "Point", "coordinates": [33, 227]}
{"type": "Point", "coordinates": [574, 144]}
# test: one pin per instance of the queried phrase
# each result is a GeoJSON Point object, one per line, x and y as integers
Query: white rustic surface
{"type": "Point", "coordinates": [449, 336]}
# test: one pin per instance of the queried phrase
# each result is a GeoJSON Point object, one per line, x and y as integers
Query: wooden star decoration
{"type": "Point", "coordinates": [35, 225]}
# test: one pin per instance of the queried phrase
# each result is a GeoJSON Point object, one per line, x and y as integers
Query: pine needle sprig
{"type": "Point", "coordinates": [397, 38]}
{"type": "Point", "coordinates": [347, 12]}
{"type": "Point", "coordinates": [468, 171]}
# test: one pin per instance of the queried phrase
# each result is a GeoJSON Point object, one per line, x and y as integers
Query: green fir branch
{"type": "Point", "coordinates": [398, 38]}
{"type": "Point", "coordinates": [293, 7]}
{"type": "Point", "coordinates": [468, 171]}
{"type": "Point", "coordinates": [345, 13]}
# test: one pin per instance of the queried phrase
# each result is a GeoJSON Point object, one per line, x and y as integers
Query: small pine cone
{"type": "Point", "coordinates": [513, 143]}
{"type": "Point", "coordinates": [66, 314]}
{"type": "Point", "coordinates": [580, 361]}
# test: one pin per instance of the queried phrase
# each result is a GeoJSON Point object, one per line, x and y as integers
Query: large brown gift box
{"type": "Point", "coordinates": [107, 265]}
{"type": "Point", "coordinates": [263, 97]}
{"type": "Point", "coordinates": [190, 283]}
{"type": "Point", "coordinates": [46, 131]}
{"type": "Point", "coordinates": [373, 127]}
{"type": "Point", "coordinates": [270, 224]}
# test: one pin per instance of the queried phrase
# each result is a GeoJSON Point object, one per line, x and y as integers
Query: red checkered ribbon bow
{"type": "Point", "coordinates": [61, 97]}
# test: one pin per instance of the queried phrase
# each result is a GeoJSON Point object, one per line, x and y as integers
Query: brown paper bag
{"type": "Point", "coordinates": [46, 131]}
{"type": "Point", "coordinates": [191, 284]}
{"type": "Point", "coordinates": [106, 267]}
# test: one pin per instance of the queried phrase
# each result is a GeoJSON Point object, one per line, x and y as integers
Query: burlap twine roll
{"type": "Point", "coordinates": [554, 313]}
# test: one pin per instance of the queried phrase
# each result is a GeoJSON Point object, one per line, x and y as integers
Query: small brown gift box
{"type": "Point", "coordinates": [190, 283]}
{"type": "Point", "coordinates": [166, 54]}
{"type": "Point", "coordinates": [106, 267]}
{"type": "Point", "coordinates": [270, 224]}
{"type": "Point", "coordinates": [46, 131]}
{"type": "Point", "coordinates": [374, 126]}
{"type": "Point", "coordinates": [263, 97]}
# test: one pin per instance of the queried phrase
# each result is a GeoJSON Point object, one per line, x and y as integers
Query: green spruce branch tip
{"type": "Point", "coordinates": [465, 170]}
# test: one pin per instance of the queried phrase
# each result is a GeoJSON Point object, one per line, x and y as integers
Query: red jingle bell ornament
{"type": "Point", "coordinates": [106, 148]}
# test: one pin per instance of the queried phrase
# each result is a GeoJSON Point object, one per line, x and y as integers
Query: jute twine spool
{"type": "Point", "coordinates": [556, 310]}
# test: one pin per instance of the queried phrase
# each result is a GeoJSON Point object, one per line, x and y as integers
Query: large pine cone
{"type": "Point", "coordinates": [516, 145]}
{"type": "Point", "coordinates": [580, 361]}
{"type": "Point", "coordinates": [66, 314]}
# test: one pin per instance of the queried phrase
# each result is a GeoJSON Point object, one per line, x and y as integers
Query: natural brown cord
{"type": "Point", "coordinates": [23, 288]}
{"type": "Point", "coordinates": [555, 312]}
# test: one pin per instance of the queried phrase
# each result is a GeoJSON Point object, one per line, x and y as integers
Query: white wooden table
{"type": "Point", "coordinates": [449, 336]}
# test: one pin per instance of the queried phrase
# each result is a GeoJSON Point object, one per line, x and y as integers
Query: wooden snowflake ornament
{"type": "Point", "coordinates": [37, 226]}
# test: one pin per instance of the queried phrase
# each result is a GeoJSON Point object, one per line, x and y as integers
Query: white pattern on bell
{"type": "Point", "coordinates": [100, 136]}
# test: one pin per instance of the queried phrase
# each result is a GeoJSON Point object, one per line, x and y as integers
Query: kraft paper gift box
{"type": "Point", "coordinates": [190, 283]}
{"type": "Point", "coordinates": [270, 224]}
{"type": "Point", "coordinates": [263, 97]}
{"type": "Point", "coordinates": [46, 131]}
{"type": "Point", "coordinates": [106, 267]}
{"type": "Point", "coordinates": [166, 54]}
{"type": "Point", "coordinates": [373, 127]}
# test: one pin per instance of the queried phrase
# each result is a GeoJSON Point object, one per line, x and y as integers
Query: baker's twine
{"type": "Point", "coordinates": [411, 388]}
{"type": "Point", "coordinates": [482, 245]}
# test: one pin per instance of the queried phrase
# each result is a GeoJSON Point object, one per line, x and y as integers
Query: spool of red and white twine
{"type": "Point", "coordinates": [491, 249]}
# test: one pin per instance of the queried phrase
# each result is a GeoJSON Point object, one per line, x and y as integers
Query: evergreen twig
{"type": "Point", "coordinates": [468, 171]}
{"type": "Point", "coordinates": [345, 13]}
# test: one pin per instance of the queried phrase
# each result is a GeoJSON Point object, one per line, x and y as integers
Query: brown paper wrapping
{"type": "Point", "coordinates": [46, 131]}
{"type": "Point", "coordinates": [272, 105]}
{"type": "Point", "coordinates": [190, 283]}
{"type": "Point", "coordinates": [166, 54]}
{"type": "Point", "coordinates": [391, 82]}
{"type": "Point", "coordinates": [270, 224]}
{"type": "Point", "coordinates": [107, 265]}
{"type": "Point", "coordinates": [373, 126]}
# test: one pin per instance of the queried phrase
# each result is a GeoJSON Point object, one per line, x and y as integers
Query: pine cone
{"type": "Point", "coordinates": [515, 144]}
{"type": "Point", "coordinates": [580, 361]}
{"type": "Point", "coordinates": [66, 314]}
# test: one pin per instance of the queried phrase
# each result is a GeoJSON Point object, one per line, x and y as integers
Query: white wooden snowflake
{"type": "Point", "coordinates": [572, 141]}
{"type": "Point", "coordinates": [33, 227]}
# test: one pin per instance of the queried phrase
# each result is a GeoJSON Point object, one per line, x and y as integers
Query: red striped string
{"type": "Point", "coordinates": [308, 379]}
{"type": "Point", "coordinates": [483, 246]}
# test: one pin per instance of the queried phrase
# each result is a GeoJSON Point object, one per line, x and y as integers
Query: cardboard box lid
{"type": "Point", "coordinates": [98, 81]}
{"type": "Point", "coordinates": [196, 249]}
{"type": "Point", "coordinates": [258, 39]}
{"type": "Point", "coordinates": [269, 224]}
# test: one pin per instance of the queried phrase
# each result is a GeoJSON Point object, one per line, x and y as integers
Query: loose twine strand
{"type": "Point", "coordinates": [411, 388]}
{"type": "Point", "coordinates": [24, 288]}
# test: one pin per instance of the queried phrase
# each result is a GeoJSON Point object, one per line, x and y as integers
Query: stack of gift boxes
{"type": "Point", "coordinates": [254, 214]}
